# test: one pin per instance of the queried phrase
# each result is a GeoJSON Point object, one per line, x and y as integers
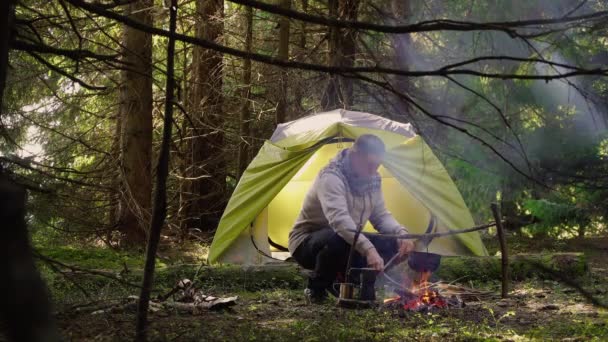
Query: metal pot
{"type": "Point", "coordinates": [423, 261]}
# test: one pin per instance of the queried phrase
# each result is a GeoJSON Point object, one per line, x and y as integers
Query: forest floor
{"type": "Point", "coordinates": [271, 305]}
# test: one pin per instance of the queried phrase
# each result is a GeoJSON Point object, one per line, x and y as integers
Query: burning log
{"type": "Point", "coordinates": [427, 301]}
{"type": "Point", "coordinates": [422, 297]}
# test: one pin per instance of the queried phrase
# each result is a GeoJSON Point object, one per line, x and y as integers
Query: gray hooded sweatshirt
{"type": "Point", "coordinates": [331, 202]}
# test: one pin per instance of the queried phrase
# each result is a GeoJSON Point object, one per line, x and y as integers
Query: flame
{"type": "Point", "coordinates": [424, 295]}
{"type": "Point", "coordinates": [421, 287]}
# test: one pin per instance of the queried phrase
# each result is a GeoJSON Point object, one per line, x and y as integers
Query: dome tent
{"type": "Point", "coordinates": [269, 195]}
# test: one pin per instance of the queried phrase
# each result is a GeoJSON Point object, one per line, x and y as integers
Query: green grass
{"type": "Point", "coordinates": [583, 328]}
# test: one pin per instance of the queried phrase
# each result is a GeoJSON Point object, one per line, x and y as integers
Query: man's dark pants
{"type": "Point", "coordinates": [326, 253]}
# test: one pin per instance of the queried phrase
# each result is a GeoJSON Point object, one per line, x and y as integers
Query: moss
{"type": "Point", "coordinates": [217, 280]}
{"type": "Point", "coordinates": [522, 266]}
{"type": "Point", "coordinates": [96, 258]}
{"type": "Point", "coordinates": [230, 279]}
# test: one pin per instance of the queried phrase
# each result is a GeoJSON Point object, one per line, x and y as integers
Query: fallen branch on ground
{"type": "Point", "coordinates": [464, 293]}
{"type": "Point", "coordinates": [108, 275]}
{"type": "Point", "coordinates": [183, 297]}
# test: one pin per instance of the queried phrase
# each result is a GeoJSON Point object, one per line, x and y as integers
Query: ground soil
{"type": "Point", "coordinates": [536, 310]}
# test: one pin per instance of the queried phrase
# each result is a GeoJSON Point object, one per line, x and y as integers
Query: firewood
{"type": "Point", "coordinates": [197, 307]}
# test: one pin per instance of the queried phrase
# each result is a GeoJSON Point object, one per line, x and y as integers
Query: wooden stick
{"type": "Point", "coordinates": [433, 235]}
{"type": "Point", "coordinates": [503, 250]}
{"type": "Point", "coordinates": [390, 261]}
{"type": "Point", "coordinates": [351, 254]}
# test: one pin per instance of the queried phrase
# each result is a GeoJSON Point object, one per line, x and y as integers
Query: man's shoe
{"type": "Point", "coordinates": [315, 296]}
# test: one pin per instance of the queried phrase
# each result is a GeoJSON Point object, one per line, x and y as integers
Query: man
{"type": "Point", "coordinates": [344, 196]}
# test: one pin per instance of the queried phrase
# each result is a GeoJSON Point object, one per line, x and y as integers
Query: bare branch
{"type": "Point", "coordinates": [424, 26]}
{"type": "Point", "coordinates": [317, 67]}
{"type": "Point", "coordinates": [65, 73]}
{"type": "Point", "coordinates": [72, 54]}
{"type": "Point", "coordinates": [78, 269]}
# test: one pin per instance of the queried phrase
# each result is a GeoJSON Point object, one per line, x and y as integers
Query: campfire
{"type": "Point", "coordinates": [423, 296]}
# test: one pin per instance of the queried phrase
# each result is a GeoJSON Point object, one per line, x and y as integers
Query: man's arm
{"type": "Point", "coordinates": [385, 223]}
{"type": "Point", "coordinates": [332, 195]}
{"type": "Point", "coordinates": [382, 220]}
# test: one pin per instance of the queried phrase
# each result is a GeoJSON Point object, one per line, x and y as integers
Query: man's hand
{"type": "Point", "coordinates": [374, 260]}
{"type": "Point", "coordinates": [405, 246]}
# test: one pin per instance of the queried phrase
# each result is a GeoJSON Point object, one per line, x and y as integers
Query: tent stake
{"type": "Point", "coordinates": [502, 239]}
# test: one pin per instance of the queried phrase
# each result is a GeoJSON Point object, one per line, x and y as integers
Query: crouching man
{"type": "Point", "coordinates": [344, 196]}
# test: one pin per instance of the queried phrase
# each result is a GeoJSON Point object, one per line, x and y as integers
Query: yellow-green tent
{"type": "Point", "coordinates": [268, 198]}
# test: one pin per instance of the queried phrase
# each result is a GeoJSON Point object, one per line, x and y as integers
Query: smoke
{"type": "Point", "coordinates": [527, 105]}
{"type": "Point", "coordinates": [570, 95]}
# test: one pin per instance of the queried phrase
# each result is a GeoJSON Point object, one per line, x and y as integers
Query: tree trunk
{"type": "Point", "coordinates": [205, 195]}
{"type": "Point", "coordinates": [7, 19]}
{"type": "Point", "coordinates": [298, 91]}
{"type": "Point", "coordinates": [281, 114]}
{"type": "Point", "coordinates": [114, 176]}
{"type": "Point", "coordinates": [159, 212]}
{"type": "Point", "coordinates": [245, 131]}
{"type": "Point", "coordinates": [136, 138]}
{"type": "Point", "coordinates": [402, 49]}
{"type": "Point", "coordinates": [25, 307]}
{"type": "Point", "coordinates": [348, 11]}
{"type": "Point", "coordinates": [341, 53]}
{"type": "Point", "coordinates": [331, 96]}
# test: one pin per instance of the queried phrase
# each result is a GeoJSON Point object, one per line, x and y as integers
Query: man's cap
{"type": "Point", "coordinates": [369, 143]}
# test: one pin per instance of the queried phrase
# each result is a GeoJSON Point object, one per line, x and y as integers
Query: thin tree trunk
{"type": "Point", "coordinates": [159, 212]}
{"type": "Point", "coordinates": [281, 114]}
{"type": "Point", "coordinates": [244, 128]}
{"type": "Point", "coordinates": [348, 10]}
{"type": "Point", "coordinates": [114, 171]}
{"type": "Point", "coordinates": [205, 194]}
{"type": "Point", "coordinates": [136, 138]}
{"type": "Point", "coordinates": [298, 90]}
{"type": "Point", "coordinates": [331, 95]}
{"type": "Point", "coordinates": [582, 229]}
{"type": "Point", "coordinates": [185, 148]}
{"type": "Point", "coordinates": [341, 52]}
